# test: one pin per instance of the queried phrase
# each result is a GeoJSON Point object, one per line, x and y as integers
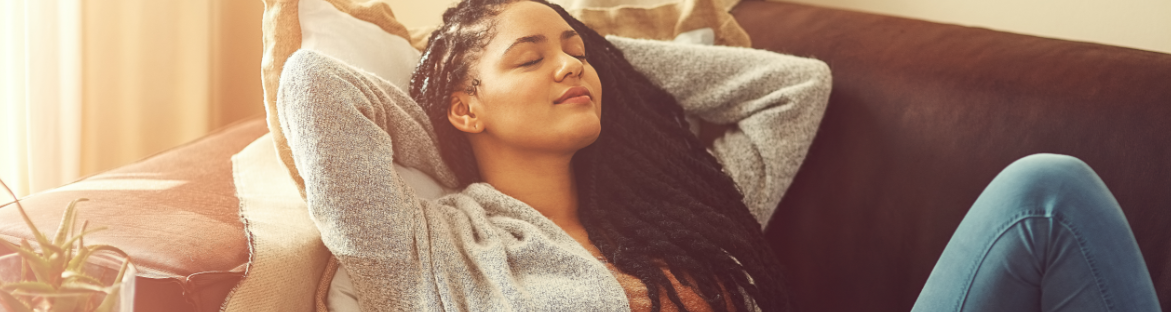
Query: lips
{"type": "Point", "coordinates": [574, 95]}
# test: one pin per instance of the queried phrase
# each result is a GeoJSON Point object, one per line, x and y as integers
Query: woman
{"type": "Point", "coordinates": [563, 205]}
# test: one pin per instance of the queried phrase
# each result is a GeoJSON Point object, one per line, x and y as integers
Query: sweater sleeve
{"type": "Point", "coordinates": [340, 123]}
{"type": "Point", "coordinates": [775, 101]}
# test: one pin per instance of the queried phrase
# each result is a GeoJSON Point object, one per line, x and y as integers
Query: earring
{"type": "Point", "coordinates": [471, 90]}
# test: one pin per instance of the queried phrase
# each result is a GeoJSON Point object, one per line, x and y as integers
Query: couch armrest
{"type": "Point", "coordinates": [175, 213]}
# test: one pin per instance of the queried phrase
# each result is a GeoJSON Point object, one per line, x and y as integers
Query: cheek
{"type": "Point", "coordinates": [594, 83]}
{"type": "Point", "coordinates": [510, 101]}
{"type": "Point", "coordinates": [512, 106]}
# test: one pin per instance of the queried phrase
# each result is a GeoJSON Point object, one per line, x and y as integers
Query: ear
{"type": "Point", "coordinates": [461, 115]}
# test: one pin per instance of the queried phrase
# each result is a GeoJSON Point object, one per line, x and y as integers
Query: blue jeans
{"type": "Point", "coordinates": [1046, 235]}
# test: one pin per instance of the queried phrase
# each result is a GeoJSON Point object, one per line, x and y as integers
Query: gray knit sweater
{"type": "Point", "coordinates": [479, 249]}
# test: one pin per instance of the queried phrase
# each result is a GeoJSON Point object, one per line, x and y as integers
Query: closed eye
{"type": "Point", "coordinates": [531, 63]}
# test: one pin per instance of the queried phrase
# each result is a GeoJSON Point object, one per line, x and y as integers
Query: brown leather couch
{"type": "Point", "coordinates": [921, 118]}
{"type": "Point", "coordinates": [924, 115]}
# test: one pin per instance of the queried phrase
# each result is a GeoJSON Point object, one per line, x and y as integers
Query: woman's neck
{"type": "Point", "coordinates": [541, 180]}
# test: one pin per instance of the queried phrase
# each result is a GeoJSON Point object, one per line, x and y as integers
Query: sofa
{"type": "Point", "coordinates": [922, 116]}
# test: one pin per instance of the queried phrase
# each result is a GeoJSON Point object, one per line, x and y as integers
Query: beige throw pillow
{"type": "Point", "coordinates": [664, 21]}
{"type": "Point", "coordinates": [578, 4]}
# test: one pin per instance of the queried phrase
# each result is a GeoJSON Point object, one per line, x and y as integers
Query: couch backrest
{"type": "Point", "coordinates": [924, 115]}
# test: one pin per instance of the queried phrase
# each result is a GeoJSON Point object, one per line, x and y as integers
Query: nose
{"type": "Point", "coordinates": [570, 67]}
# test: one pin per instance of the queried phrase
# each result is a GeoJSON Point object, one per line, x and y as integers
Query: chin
{"type": "Point", "coordinates": [585, 137]}
{"type": "Point", "coordinates": [576, 135]}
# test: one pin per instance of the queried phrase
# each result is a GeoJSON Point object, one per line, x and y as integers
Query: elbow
{"type": "Point", "coordinates": [818, 80]}
{"type": "Point", "coordinates": [823, 79]}
{"type": "Point", "coordinates": [803, 72]}
{"type": "Point", "coordinates": [820, 75]}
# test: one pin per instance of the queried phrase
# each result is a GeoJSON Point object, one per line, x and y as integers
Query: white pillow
{"type": "Point", "coordinates": [359, 43]}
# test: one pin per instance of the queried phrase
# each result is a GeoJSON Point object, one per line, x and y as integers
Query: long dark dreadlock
{"type": "Point", "coordinates": [649, 192]}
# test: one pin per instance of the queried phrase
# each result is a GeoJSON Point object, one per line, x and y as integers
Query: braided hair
{"type": "Point", "coordinates": [649, 193]}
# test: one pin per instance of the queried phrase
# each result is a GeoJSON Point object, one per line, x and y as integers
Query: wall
{"type": "Point", "coordinates": [236, 50]}
{"type": "Point", "coordinates": [145, 69]}
{"type": "Point", "coordinates": [157, 74]}
{"type": "Point", "coordinates": [1141, 24]}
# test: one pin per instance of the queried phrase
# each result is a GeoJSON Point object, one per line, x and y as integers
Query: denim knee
{"type": "Point", "coordinates": [1057, 192]}
{"type": "Point", "coordinates": [1045, 179]}
{"type": "Point", "coordinates": [1048, 168]}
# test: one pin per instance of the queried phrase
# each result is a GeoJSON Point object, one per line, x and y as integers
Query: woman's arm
{"type": "Point", "coordinates": [774, 101]}
{"type": "Point", "coordinates": [340, 123]}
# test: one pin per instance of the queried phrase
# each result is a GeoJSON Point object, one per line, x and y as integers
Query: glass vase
{"type": "Point", "coordinates": [102, 266]}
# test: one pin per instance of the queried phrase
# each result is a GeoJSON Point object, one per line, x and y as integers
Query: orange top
{"type": "Point", "coordinates": [636, 293]}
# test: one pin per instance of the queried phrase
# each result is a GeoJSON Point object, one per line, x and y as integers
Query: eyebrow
{"type": "Point", "coordinates": [539, 38]}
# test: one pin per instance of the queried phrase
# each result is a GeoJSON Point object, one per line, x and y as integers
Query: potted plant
{"type": "Point", "coordinates": [62, 273]}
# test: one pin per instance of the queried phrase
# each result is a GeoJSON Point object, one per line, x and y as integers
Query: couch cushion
{"type": "Point", "coordinates": [923, 115]}
{"type": "Point", "coordinates": [175, 213]}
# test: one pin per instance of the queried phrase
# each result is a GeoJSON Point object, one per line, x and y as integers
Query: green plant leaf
{"type": "Point", "coordinates": [35, 261]}
{"type": "Point", "coordinates": [79, 236]}
{"type": "Point", "coordinates": [57, 267]}
{"type": "Point", "coordinates": [101, 247]}
{"type": "Point", "coordinates": [24, 269]}
{"type": "Point", "coordinates": [13, 247]}
{"type": "Point", "coordinates": [76, 288]}
{"type": "Point", "coordinates": [82, 253]}
{"type": "Point", "coordinates": [25, 249]}
{"type": "Point", "coordinates": [68, 303]}
{"type": "Point", "coordinates": [78, 261]}
{"type": "Point", "coordinates": [67, 221]}
{"type": "Point", "coordinates": [40, 287]}
{"type": "Point", "coordinates": [20, 208]}
{"type": "Point", "coordinates": [60, 293]}
{"type": "Point", "coordinates": [24, 244]}
{"type": "Point", "coordinates": [57, 264]}
{"type": "Point", "coordinates": [41, 239]}
{"type": "Point", "coordinates": [68, 255]}
{"type": "Point", "coordinates": [108, 303]}
{"type": "Point", "coordinates": [12, 304]}
{"type": "Point", "coordinates": [112, 297]}
{"type": "Point", "coordinates": [122, 271]}
{"type": "Point", "coordinates": [78, 277]}
{"type": "Point", "coordinates": [54, 249]}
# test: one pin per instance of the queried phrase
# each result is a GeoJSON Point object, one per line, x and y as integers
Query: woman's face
{"type": "Point", "coordinates": [536, 91]}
